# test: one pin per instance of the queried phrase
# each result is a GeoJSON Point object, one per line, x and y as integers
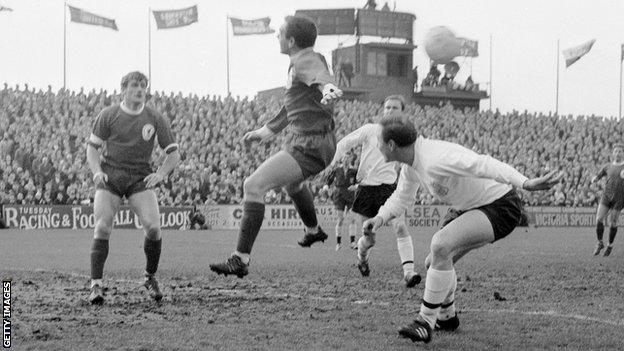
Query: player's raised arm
{"type": "Point", "coordinates": [600, 174]}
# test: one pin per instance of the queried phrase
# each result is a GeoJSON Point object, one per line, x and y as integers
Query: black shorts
{"type": "Point", "coordinates": [612, 202]}
{"type": "Point", "coordinates": [504, 214]}
{"type": "Point", "coordinates": [123, 182]}
{"type": "Point", "coordinates": [313, 152]}
{"type": "Point", "coordinates": [343, 199]}
{"type": "Point", "coordinates": [369, 198]}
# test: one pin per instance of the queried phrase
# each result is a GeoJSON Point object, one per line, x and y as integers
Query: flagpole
{"type": "Point", "coordinates": [227, 51]}
{"type": "Point", "coordinates": [620, 111]}
{"type": "Point", "coordinates": [490, 72]}
{"type": "Point", "coordinates": [64, 44]}
{"type": "Point", "coordinates": [149, 47]}
{"type": "Point", "coordinates": [557, 95]}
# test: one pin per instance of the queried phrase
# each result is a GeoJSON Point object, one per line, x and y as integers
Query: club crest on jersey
{"type": "Point", "coordinates": [148, 132]}
{"type": "Point", "coordinates": [439, 189]}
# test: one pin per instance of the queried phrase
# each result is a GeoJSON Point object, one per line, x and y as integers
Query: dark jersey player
{"type": "Point", "coordinates": [343, 180]}
{"type": "Point", "coordinates": [612, 200]}
{"type": "Point", "coordinates": [118, 152]}
{"type": "Point", "coordinates": [309, 148]}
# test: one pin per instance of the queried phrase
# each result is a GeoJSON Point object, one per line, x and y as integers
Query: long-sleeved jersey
{"type": "Point", "coordinates": [452, 173]}
{"type": "Point", "coordinates": [373, 168]}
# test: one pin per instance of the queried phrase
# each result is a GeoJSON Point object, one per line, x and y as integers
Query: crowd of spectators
{"type": "Point", "coordinates": [43, 135]}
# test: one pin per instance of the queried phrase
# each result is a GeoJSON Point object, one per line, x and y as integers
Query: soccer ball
{"type": "Point", "coordinates": [441, 45]}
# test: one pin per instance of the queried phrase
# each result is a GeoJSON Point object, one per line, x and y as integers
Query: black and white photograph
{"type": "Point", "coordinates": [182, 175]}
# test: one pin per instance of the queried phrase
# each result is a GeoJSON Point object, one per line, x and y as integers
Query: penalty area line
{"type": "Point", "coordinates": [550, 313]}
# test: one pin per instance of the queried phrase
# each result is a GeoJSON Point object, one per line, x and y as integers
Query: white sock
{"type": "Point", "coordinates": [352, 230]}
{"type": "Point", "coordinates": [364, 246]}
{"type": "Point", "coordinates": [437, 285]}
{"type": "Point", "coordinates": [243, 256]}
{"type": "Point", "coordinates": [312, 230]}
{"type": "Point", "coordinates": [406, 253]}
{"type": "Point", "coordinates": [96, 282]}
{"type": "Point", "coordinates": [338, 231]}
{"type": "Point", "coordinates": [449, 311]}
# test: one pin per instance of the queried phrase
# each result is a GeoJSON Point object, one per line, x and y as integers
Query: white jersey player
{"type": "Point", "coordinates": [377, 180]}
{"type": "Point", "coordinates": [478, 186]}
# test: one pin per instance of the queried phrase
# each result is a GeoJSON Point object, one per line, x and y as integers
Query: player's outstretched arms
{"type": "Point", "coordinates": [260, 134]}
{"type": "Point", "coordinates": [372, 225]}
{"type": "Point", "coordinates": [544, 182]}
{"type": "Point", "coordinates": [330, 92]}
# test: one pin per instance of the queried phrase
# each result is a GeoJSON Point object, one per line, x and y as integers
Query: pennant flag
{"type": "Point", "coordinates": [81, 16]}
{"type": "Point", "coordinates": [175, 18]}
{"type": "Point", "coordinates": [622, 56]}
{"type": "Point", "coordinates": [4, 8]}
{"type": "Point", "coordinates": [573, 54]}
{"type": "Point", "coordinates": [468, 47]}
{"type": "Point", "coordinates": [248, 27]}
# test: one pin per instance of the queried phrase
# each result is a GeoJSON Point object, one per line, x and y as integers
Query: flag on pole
{"type": "Point", "coordinates": [175, 18]}
{"type": "Point", "coordinates": [4, 8]}
{"type": "Point", "coordinates": [248, 27]}
{"type": "Point", "coordinates": [622, 56]}
{"type": "Point", "coordinates": [468, 47]}
{"type": "Point", "coordinates": [82, 16]}
{"type": "Point", "coordinates": [573, 54]}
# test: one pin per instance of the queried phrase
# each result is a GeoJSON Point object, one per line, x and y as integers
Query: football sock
{"type": "Point", "coordinates": [304, 204]}
{"type": "Point", "coordinates": [447, 309]}
{"type": "Point", "coordinates": [96, 282]}
{"type": "Point", "coordinates": [365, 243]}
{"type": "Point", "coordinates": [338, 239]}
{"type": "Point", "coordinates": [599, 230]}
{"type": "Point", "coordinates": [352, 231]}
{"type": "Point", "coordinates": [338, 232]}
{"type": "Point", "coordinates": [99, 252]}
{"type": "Point", "coordinates": [152, 254]}
{"type": "Point", "coordinates": [406, 253]}
{"type": "Point", "coordinates": [612, 232]}
{"type": "Point", "coordinates": [437, 285]}
{"type": "Point", "coordinates": [243, 256]}
{"type": "Point", "coordinates": [253, 215]}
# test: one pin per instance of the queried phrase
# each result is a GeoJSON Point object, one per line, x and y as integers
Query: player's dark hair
{"type": "Point", "coordinates": [302, 29]}
{"type": "Point", "coordinates": [396, 97]}
{"type": "Point", "coordinates": [136, 75]}
{"type": "Point", "coordinates": [399, 130]}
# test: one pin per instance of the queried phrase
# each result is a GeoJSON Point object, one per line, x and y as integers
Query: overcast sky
{"type": "Point", "coordinates": [193, 58]}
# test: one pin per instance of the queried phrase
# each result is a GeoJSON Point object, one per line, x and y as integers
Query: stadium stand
{"type": "Point", "coordinates": [42, 145]}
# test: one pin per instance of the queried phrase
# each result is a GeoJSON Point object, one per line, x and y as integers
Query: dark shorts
{"type": "Point", "coordinates": [343, 199]}
{"type": "Point", "coordinates": [612, 201]}
{"type": "Point", "coordinates": [313, 152]}
{"type": "Point", "coordinates": [504, 214]}
{"type": "Point", "coordinates": [369, 198]}
{"type": "Point", "coordinates": [123, 182]}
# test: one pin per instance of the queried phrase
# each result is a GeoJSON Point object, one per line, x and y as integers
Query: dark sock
{"type": "Point", "coordinates": [152, 254]}
{"type": "Point", "coordinates": [338, 239]}
{"type": "Point", "coordinates": [99, 252]}
{"type": "Point", "coordinates": [352, 238]}
{"type": "Point", "coordinates": [253, 215]}
{"type": "Point", "coordinates": [304, 204]}
{"type": "Point", "coordinates": [599, 230]}
{"type": "Point", "coordinates": [612, 232]}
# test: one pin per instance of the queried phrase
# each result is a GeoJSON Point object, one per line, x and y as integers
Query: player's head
{"type": "Point", "coordinates": [618, 152]}
{"type": "Point", "coordinates": [134, 87]}
{"type": "Point", "coordinates": [393, 103]}
{"type": "Point", "coordinates": [397, 136]}
{"type": "Point", "coordinates": [296, 33]}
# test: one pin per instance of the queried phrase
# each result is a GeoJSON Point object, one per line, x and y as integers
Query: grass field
{"type": "Point", "coordinates": [557, 296]}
